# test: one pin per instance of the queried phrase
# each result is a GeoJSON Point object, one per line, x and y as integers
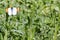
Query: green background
{"type": "Point", "coordinates": [39, 20]}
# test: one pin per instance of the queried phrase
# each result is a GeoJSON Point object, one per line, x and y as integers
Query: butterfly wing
{"type": "Point", "coordinates": [14, 11]}
{"type": "Point", "coordinates": [9, 11]}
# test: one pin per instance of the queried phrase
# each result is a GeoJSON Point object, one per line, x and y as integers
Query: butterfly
{"type": "Point", "coordinates": [12, 11]}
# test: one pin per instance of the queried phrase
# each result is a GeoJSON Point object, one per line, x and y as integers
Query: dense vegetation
{"type": "Point", "coordinates": [39, 20]}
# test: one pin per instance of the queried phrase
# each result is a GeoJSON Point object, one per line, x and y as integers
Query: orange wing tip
{"type": "Point", "coordinates": [6, 9]}
{"type": "Point", "coordinates": [17, 9]}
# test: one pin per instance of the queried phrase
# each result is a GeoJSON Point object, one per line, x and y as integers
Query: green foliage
{"type": "Point", "coordinates": [39, 20]}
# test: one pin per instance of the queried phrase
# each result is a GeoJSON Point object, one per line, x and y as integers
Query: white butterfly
{"type": "Point", "coordinates": [12, 11]}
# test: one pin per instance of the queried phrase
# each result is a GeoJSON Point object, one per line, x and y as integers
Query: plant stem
{"type": "Point", "coordinates": [5, 37]}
